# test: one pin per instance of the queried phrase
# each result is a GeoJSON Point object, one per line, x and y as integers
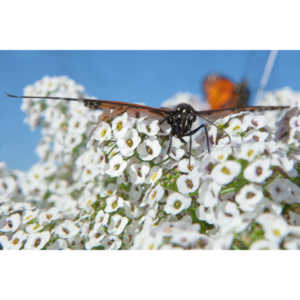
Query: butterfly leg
{"type": "Point", "coordinates": [170, 145]}
{"type": "Point", "coordinates": [206, 135]}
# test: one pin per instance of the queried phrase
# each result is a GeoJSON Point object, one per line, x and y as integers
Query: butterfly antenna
{"type": "Point", "coordinates": [212, 123]}
{"type": "Point", "coordinates": [44, 97]}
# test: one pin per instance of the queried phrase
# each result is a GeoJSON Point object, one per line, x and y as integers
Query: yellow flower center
{"type": "Point", "coordinates": [15, 241]}
{"type": "Point", "coordinates": [151, 247]}
{"type": "Point", "coordinates": [189, 183]}
{"type": "Point", "coordinates": [250, 153]}
{"type": "Point", "coordinates": [119, 126]}
{"type": "Point", "coordinates": [149, 150]}
{"type": "Point", "coordinates": [154, 176]}
{"type": "Point", "coordinates": [129, 142]}
{"type": "Point", "coordinates": [114, 204]}
{"type": "Point", "coordinates": [103, 132]}
{"type": "Point", "coordinates": [37, 242]}
{"type": "Point", "coordinates": [225, 170]}
{"type": "Point", "coordinates": [276, 232]}
{"type": "Point", "coordinates": [116, 167]}
{"type": "Point", "coordinates": [177, 204]}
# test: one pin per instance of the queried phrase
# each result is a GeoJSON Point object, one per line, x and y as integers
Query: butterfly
{"type": "Point", "coordinates": [221, 92]}
{"type": "Point", "coordinates": [181, 118]}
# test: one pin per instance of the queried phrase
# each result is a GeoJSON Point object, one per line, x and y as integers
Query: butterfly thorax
{"type": "Point", "coordinates": [181, 119]}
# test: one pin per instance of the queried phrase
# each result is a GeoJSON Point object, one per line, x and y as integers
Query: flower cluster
{"type": "Point", "coordinates": [111, 184]}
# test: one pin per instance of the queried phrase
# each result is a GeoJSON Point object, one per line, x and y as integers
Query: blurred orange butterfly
{"type": "Point", "coordinates": [221, 92]}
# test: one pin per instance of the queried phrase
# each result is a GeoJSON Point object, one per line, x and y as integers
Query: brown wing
{"type": "Point", "coordinates": [111, 108]}
{"type": "Point", "coordinates": [241, 95]}
{"type": "Point", "coordinates": [215, 114]}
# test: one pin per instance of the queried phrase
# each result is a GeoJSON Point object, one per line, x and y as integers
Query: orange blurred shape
{"type": "Point", "coordinates": [221, 92]}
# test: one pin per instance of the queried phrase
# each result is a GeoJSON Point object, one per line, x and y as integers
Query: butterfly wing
{"type": "Point", "coordinates": [111, 108]}
{"type": "Point", "coordinates": [241, 95]}
{"type": "Point", "coordinates": [221, 92]}
{"type": "Point", "coordinates": [218, 90]}
{"type": "Point", "coordinates": [215, 114]}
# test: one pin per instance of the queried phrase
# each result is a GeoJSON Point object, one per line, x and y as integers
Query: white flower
{"type": "Point", "coordinates": [264, 245]}
{"type": "Point", "coordinates": [49, 215]}
{"type": "Point", "coordinates": [186, 237]}
{"type": "Point", "coordinates": [34, 227]}
{"type": "Point", "coordinates": [112, 243]}
{"type": "Point", "coordinates": [275, 227]}
{"type": "Point", "coordinates": [256, 136]}
{"type": "Point", "coordinates": [258, 170]}
{"type": "Point", "coordinates": [149, 149]}
{"type": "Point", "coordinates": [284, 162]}
{"type": "Point", "coordinates": [222, 242]}
{"type": "Point", "coordinates": [11, 223]}
{"type": "Point", "coordinates": [120, 125]}
{"type": "Point", "coordinates": [154, 175]}
{"type": "Point", "coordinates": [176, 203]}
{"type": "Point", "coordinates": [154, 195]}
{"type": "Point", "coordinates": [221, 154]}
{"type": "Point", "coordinates": [95, 241]}
{"type": "Point", "coordinates": [144, 241]}
{"type": "Point", "coordinates": [128, 142]}
{"type": "Point", "coordinates": [102, 132]}
{"type": "Point", "coordinates": [100, 161]}
{"type": "Point", "coordinates": [87, 200]}
{"type": "Point", "coordinates": [283, 190]}
{"type": "Point", "coordinates": [206, 214]}
{"type": "Point", "coordinates": [176, 152]}
{"type": "Point", "coordinates": [116, 166]}
{"type": "Point", "coordinates": [113, 203]}
{"type": "Point", "coordinates": [148, 126]}
{"type": "Point", "coordinates": [138, 172]}
{"type": "Point", "coordinates": [4, 243]}
{"type": "Point", "coordinates": [235, 127]}
{"type": "Point", "coordinates": [225, 172]}
{"type": "Point", "coordinates": [29, 215]}
{"type": "Point", "coordinates": [67, 229]}
{"type": "Point", "coordinates": [187, 184]}
{"type": "Point", "coordinates": [36, 241]}
{"type": "Point", "coordinates": [36, 174]}
{"type": "Point", "coordinates": [131, 210]}
{"type": "Point", "coordinates": [96, 237]}
{"type": "Point", "coordinates": [55, 117]}
{"type": "Point", "coordinates": [208, 194]}
{"type": "Point", "coordinates": [72, 141]}
{"type": "Point", "coordinates": [117, 224]}
{"type": "Point", "coordinates": [17, 240]}
{"type": "Point", "coordinates": [77, 124]}
{"type": "Point", "coordinates": [249, 151]}
{"type": "Point", "coordinates": [252, 120]}
{"type": "Point", "coordinates": [59, 244]}
{"type": "Point", "coordinates": [230, 221]}
{"type": "Point", "coordinates": [8, 186]}
{"type": "Point", "coordinates": [101, 218]}
{"type": "Point", "coordinates": [249, 197]}
{"type": "Point", "coordinates": [90, 172]}
{"type": "Point", "coordinates": [187, 165]}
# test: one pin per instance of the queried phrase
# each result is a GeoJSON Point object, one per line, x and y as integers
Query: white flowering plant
{"type": "Point", "coordinates": [111, 184]}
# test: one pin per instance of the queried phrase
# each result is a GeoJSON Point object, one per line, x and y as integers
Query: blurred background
{"type": "Point", "coordinates": [150, 77]}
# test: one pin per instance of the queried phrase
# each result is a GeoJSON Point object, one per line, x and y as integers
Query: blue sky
{"type": "Point", "coordinates": [144, 76]}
